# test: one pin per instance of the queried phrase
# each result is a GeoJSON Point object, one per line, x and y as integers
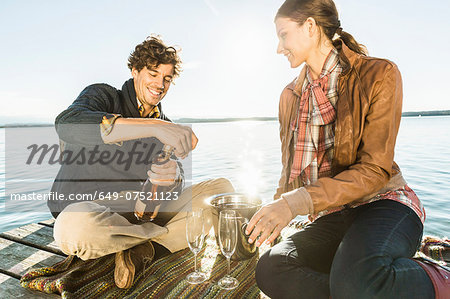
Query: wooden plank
{"type": "Point", "coordinates": [17, 258]}
{"type": "Point", "coordinates": [34, 235]}
{"type": "Point", "coordinates": [49, 222]}
{"type": "Point", "coordinates": [10, 288]}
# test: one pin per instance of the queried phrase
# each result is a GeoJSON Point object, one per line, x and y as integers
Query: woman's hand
{"type": "Point", "coordinates": [269, 221]}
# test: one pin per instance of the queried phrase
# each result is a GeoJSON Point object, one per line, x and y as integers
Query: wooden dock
{"type": "Point", "coordinates": [29, 246]}
{"type": "Point", "coordinates": [33, 246]}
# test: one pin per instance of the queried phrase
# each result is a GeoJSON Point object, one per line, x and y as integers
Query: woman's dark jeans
{"type": "Point", "coordinates": [362, 252]}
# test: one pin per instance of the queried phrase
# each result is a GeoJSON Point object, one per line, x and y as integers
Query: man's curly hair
{"type": "Point", "coordinates": [151, 53]}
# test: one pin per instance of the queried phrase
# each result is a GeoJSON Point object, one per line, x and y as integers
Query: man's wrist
{"type": "Point", "coordinates": [107, 125]}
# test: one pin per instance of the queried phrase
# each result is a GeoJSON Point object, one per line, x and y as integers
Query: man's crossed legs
{"type": "Point", "coordinates": [93, 229]}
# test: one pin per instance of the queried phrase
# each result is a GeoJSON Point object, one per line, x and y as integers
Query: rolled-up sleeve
{"type": "Point", "coordinates": [82, 122]}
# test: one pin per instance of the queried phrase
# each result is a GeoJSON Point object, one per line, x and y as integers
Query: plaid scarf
{"type": "Point", "coordinates": [154, 113]}
{"type": "Point", "coordinates": [314, 126]}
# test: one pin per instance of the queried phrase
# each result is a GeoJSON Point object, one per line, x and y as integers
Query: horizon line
{"type": "Point", "coordinates": [235, 119]}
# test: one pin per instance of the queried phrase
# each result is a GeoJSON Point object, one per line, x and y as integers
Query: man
{"type": "Point", "coordinates": [108, 139]}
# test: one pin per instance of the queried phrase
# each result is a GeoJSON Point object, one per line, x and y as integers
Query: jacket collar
{"type": "Point", "coordinates": [129, 95]}
{"type": "Point", "coordinates": [347, 58]}
{"type": "Point", "coordinates": [131, 101]}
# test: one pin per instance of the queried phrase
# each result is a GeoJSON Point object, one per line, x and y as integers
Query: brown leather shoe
{"type": "Point", "coordinates": [132, 261]}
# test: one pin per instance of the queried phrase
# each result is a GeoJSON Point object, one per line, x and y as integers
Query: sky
{"type": "Point", "coordinates": [51, 50]}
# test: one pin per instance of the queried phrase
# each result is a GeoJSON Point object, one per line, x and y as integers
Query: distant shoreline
{"type": "Point", "coordinates": [234, 119]}
{"type": "Point", "coordinates": [427, 113]}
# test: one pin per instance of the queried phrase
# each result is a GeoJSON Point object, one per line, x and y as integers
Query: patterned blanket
{"type": "Point", "coordinates": [165, 278]}
{"type": "Point", "coordinates": [437, 249]}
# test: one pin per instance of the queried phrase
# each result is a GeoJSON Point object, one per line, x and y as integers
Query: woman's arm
{"type": "Point", "coordinates": [374, 157]}
{"type": "Point", "coordinates": [285, 98]}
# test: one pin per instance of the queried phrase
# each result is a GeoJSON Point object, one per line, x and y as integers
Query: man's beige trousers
{"type": "Point", "coordinates": [90, 230]}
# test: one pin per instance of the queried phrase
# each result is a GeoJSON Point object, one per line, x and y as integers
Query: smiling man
{"type": "Point", "coordinates": [122, 131]}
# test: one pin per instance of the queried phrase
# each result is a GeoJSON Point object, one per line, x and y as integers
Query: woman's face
{"type": "Point", "coordinates": [295, 41]}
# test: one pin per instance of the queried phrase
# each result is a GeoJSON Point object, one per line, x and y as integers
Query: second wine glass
{"type": "Point", "coordinates": [227, 241]}
{"type": "Point", "coordinates": [195, 234]}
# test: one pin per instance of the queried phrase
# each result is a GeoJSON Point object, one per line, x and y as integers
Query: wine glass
{"type": "Point", "coordinates": [227, 241]}
{"type": "Point", "coordinates": [195, 236]}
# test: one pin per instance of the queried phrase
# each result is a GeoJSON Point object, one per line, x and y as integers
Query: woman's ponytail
{"type": "Point", "coordinates": [350, 42]}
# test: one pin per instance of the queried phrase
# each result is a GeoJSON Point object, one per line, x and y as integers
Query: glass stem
{"type": "Point", "coordinates": [195, 262]}
{"type": "Point", "coordinates": [228, 259]}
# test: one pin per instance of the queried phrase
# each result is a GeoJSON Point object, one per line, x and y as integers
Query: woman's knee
{"type": "Point", "coordinates": [360, 279]}
{"type": "Point", "coordinates": [266, 272]}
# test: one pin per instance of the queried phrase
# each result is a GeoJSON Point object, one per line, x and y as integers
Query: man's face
{"type": "Point", "coordinates": [152, 84]}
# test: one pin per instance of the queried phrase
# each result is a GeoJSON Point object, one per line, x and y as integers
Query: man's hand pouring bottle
{"type": "Point", "coordinates": [147, 208]}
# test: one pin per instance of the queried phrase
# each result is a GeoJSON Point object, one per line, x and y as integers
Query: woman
{"type": "Point", "coordinates": [338, 125]}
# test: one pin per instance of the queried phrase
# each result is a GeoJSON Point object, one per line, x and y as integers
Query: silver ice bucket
{"type": "Point", "coordinates": [244, 206]}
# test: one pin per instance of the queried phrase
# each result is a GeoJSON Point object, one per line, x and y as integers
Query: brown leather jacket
{"type": "Point", "coordinates": [369, 109]}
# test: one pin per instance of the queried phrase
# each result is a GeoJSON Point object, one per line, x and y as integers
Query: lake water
{"type": "Point", "coordinates": [248, 153]}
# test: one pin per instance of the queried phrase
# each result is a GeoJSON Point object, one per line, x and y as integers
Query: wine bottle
{"type": "Point", "coordinates": [147, 209]}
